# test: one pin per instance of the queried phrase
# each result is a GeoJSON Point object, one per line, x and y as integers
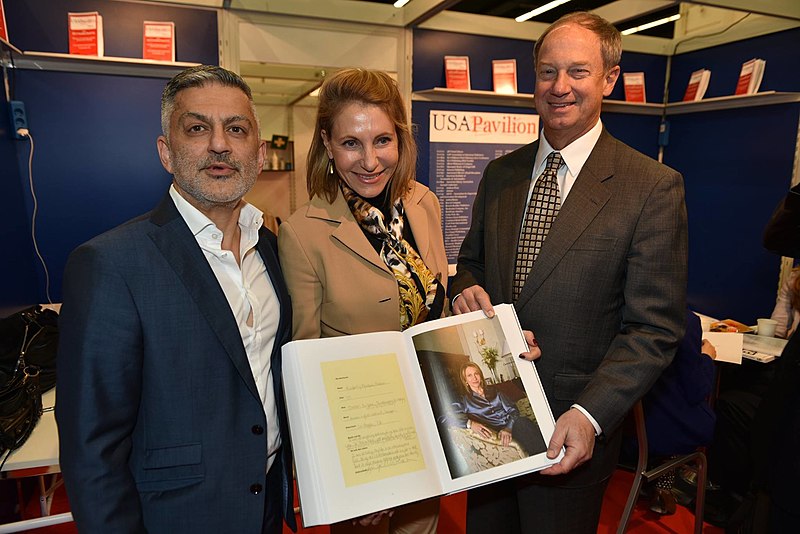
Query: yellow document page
{"type": "Point", "coordinates": [372, 421]}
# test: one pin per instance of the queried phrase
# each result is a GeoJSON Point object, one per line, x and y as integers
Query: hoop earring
{"type": "Point", "coordinates": [330, 165]}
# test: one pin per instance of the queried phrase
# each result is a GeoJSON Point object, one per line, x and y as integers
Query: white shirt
{"type": "Point", "coordinates": [247, 289]}
{"type": "Point", "coordinates": [574, 155]}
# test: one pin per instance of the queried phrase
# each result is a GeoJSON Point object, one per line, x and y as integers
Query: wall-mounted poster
{"type": "Point", "coordinates": [462, 143]}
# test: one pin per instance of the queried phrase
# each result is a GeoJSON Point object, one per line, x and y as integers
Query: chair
{"type": "Point", "coordinates": [642, 474]}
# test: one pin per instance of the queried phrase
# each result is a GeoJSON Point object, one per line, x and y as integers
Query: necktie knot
{"type": "Point", "coordinates": [554, 161]}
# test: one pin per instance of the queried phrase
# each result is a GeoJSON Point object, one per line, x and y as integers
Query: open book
{"type": "Point", "coordinates": [380, 420]}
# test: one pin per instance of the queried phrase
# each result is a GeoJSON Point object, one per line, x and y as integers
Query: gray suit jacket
{"type": "Point", "coordinates": [161, 425]}
{"type": "Point", "coordinates": [606, 296]}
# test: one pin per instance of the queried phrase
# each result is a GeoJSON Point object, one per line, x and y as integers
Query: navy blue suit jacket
{"type": "Point", "coordinates": [161, 426]}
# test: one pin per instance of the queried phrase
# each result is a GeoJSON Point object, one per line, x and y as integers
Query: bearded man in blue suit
{"type": "Point", "coordinates": [170, 408]}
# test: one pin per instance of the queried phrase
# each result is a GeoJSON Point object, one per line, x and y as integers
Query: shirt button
{"type": "Point", "coordinates": [255, 489]}
{"type": "Point", "coordinates": [257, 430]}
{"type": "Point", "coordinates": [215, 236]}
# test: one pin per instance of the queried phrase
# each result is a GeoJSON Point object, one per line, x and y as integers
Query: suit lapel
{"type": "Point", "coordinates": [511, 208]}
{"type": "Point", "coordinates": [348, 233]}
{"type": "Point", "coordinates": [415, 216]}
{"type": "Point", "coordinates": [175, 241]}
{"type": "Point", "coordinates": [586, 198]}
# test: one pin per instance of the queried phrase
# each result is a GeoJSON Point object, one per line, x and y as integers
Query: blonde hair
{"type": "Point", "coordinates": [363, 86]}
{"type": "Point", "coordinates": [463, 375]}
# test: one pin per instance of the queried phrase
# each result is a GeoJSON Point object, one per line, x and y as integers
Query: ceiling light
{"type": "Point", "coordinates": [539, 10]}
{"type": "Point", "coordinates": [649, 25]}
{"type": "Point", "coordinates": [401, 3]}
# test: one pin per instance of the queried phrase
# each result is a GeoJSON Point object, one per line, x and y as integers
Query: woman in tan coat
{"type": "Point", "coordinates": [367, 253]}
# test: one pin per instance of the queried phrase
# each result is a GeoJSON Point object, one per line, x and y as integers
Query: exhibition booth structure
{"type": "Point", "coordinates": [94, 118]}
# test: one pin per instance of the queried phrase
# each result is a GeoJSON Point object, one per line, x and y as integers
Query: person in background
{"type": "Point", "coordinates": [367, 253]}
{"type": "Point", "coordinates": [170, 409]}
{"type": "Point", "coordinates": [606, 293]}
{"type": "Point", "coordinates": [787, 307]}
{"type": "Point", "coordinates": [678, 413]}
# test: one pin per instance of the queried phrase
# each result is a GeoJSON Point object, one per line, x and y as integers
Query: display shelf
{"type": "Point", "coordinates": [121, 66]}
{"type": "Point", "coordinates": [766, 98]}
{"type": "Point", "coordinates": [5, 44]}
{"type": "Point", "coordinates": [520, 100]}
{"type": "Point", "coordinates": [284, 158]}
{"type": "Point", "coordinates": [524, 100]}
{"type": "Point", "coordinates": [482, 98]}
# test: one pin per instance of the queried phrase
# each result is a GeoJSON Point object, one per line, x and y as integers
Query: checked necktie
{"type": "Point", "coordinates": [542, 210]}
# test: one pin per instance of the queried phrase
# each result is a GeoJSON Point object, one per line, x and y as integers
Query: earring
{"type": "Point", "coordinates": [330, 165]}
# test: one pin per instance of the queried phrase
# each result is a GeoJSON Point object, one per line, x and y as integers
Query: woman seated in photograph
{"type": "Point", "coordinates": [486, 411]}
{"type": "Point", "coordinates": [367, 253]}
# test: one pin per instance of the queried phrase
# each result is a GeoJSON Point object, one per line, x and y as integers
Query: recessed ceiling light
{"type": "Point", "coordinates": [539, 10]}
{"type": "Point", "coordinates": [653, 24]}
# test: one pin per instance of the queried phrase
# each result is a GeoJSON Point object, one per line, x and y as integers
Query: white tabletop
{"type": "Point", "coordinates": [41, 448]}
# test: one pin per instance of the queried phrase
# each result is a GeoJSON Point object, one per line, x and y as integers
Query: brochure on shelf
{"type": "Point", "coordinates": [504, 76]}
{"type": "Point", "coordinates": [634, 87]}
{"type": "Point", "coordinates": [158, 40]}
{"type": "Point", "coordinates": [698, 83]}
{"type": "Point", "coordinates": [85, 33]}
{"type": "Point", "coordinates": [750, 77]}
{"type": "Point", "coordinates": [3, 27]}
{"type": "Point", "coordinates": [380, 420]}
{"type": "Point", "coordinates": [456, 72]}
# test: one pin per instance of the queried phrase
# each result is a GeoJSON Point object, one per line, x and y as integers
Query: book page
{"type": "Point", "coordinates": [727, 344]}
{"type": "Point", "coordinates": [374, 429]}
{"type": "Point", "coordinates": [452, 351]}
{"type": "Point", "coordinates": [351, 413]}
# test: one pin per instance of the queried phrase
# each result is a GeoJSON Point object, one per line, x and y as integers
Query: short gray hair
{"type": "Point", "coordinates": [198, 77]}
{"type": "Point", "coordinates": [610, 38]}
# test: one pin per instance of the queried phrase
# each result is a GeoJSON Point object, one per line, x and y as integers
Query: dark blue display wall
{"type": "Point", "coordinates": [41, 26]}
{"type": "Point", "coordinates": [17, 277]}
{"type": "Point", "coordinates": [780, 50]}
{"type": "Point", "coordinates": [96, 164]}
{"type": "Point", "coordinates": [737, 165]}
{"type": "Point", "coordinates": [430, 47]}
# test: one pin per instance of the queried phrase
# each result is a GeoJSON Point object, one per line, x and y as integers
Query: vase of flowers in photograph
{"type": "Point", "coordinates": [489, 354]}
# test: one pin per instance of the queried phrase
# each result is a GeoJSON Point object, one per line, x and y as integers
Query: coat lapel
{"type": "Point", "coordinates": [175, 241]}
{"type": "Point", "coordinates": [348, 233]}
{"type": "Point", "coordinates": [586, 198]}
{"type": "Point", "coordinates": [415, 216]}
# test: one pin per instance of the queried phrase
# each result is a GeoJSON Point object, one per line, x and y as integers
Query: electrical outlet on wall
{"type": "Point", "coordinates": [19, 118]}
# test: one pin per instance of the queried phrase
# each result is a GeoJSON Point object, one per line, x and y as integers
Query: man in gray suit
{"type": "Point", "coordinates": [170, 408]}
{"type": "Point", "coordinates": [606, 292]}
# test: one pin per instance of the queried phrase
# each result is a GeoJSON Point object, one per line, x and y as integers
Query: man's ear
{"type": "Point", "coordinates": [262, 154]}
{"type": "Point", "coordinates": [611, 80]}
{"type": "Point", "coordinates": [163, 153]}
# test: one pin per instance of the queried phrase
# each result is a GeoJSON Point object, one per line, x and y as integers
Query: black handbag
{"type": "Point", "coordinates": [28, 346]}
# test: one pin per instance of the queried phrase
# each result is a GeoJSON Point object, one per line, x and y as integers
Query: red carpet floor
{"type": "Point", "coordinates": [452, 519]}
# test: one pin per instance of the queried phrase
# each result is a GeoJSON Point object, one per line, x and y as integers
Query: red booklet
{"type": "Point", "coordinates": [456, 72]}
{"type": "Point", "coordinates": [634, 87]}
{"type": "Point", "coordinates": [158, 41]}
{"type": "Point", "coordinates": [698, 83]}
{"type": "Point", "coordinates": [504, 75]}
{"type": "Point", "coordinates": [750, 77]}
{"type": "Point", "coordinates": [85, 33]}
{"type": "Point", "coordinates": [3, 30]}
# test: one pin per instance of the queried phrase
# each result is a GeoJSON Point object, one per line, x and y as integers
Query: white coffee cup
{"type": "Point", "coordinates": [766, 327]}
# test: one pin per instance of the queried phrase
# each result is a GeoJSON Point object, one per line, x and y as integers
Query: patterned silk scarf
{"type": "Point", "coordinates": [417, 285]}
